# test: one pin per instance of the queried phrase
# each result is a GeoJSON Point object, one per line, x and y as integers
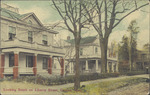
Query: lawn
{"type": "Point", "coordinates": [104, 87]}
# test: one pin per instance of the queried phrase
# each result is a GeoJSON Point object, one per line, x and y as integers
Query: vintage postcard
{"type": "Point", "coordinates": [74, 47]}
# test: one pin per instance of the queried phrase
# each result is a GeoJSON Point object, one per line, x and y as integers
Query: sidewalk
{"type": "Point", "coordinates": [138, 89]}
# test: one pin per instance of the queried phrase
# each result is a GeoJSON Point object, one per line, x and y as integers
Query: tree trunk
{"type": "Point", "coordinates": [77, 72]}
{"type": "Point", "coordinates": [130, 56]}
{"type": "Point", "coordinates": [103, 46]}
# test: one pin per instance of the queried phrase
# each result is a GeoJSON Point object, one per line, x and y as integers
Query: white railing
{"type": "Point", "coordinates": [8, 70]}
{"type": "Point", "coordinates": [25, 44]}
{"type": "Point", "coordinates": [25, 70]}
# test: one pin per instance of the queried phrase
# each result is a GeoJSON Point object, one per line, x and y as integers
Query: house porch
{"type": "Point", "coordinates": [26, 62]}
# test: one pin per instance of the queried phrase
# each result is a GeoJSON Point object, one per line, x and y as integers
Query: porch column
{"type": "Point", "coordinates": [15, 68]}
{"type": "Point", "coordinates": [2, 65]}
{"type": "Point", "coordinates": [96, 65]}
{"type": "Point", "coordinates": [50, 65]}
{"type": "Point", "coordinates": [86, 65]}
{"type": "Point", "coordinates": [35, 64]}
{"type": "Point", "coordinates": [70, 66]}
{"type": "Point", "coordinates": [107, 67]}
{"type": "Point", "coordinates": [112, 67]}
{"type": "Point", "coordinates": [62, 66]}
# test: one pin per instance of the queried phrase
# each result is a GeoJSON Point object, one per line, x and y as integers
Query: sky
{"type": "Point", "coordinates": [48, 15]}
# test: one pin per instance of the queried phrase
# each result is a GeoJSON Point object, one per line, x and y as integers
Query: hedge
{"type": "Point", "coordinates": [60, 80]}
{"type": "Point", "coordinates": [68, 79]}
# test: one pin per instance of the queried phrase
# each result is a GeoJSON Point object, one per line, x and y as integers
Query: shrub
{"type": "Point", "coordinates": [68, 79]}
{"type": "Point", "coordinates": [135, 73]}
{"type": "Point", "coordinates": [130, 73]}
{"type": "Point", "coordinates": [95, 76]}
{"type": "Point", "coordinates": [107, 75]}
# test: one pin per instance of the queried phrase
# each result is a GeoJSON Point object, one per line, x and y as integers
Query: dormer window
{"type": "Point", "coordinates": [30, 36]}
{"type": "Point", "coordinates": [12, 32]}
{"type": "Point", "coordinates": [44, 39]}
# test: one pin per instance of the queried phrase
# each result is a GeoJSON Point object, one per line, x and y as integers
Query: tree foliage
{"type": "Point", "coordinates": [134, 30]}
{"type": "Point", "coordinates": [123, 53]}
{"type": "Point", "coordinates": [146, 46]}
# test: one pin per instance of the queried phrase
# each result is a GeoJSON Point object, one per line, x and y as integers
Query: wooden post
{"type": "Point", "coordinates": [62, 66]}
{"type": "Point", "coordinates": [35, 64]}
{"type": "Point", "coordinates": [15, 68]}
{"type": "Point", "coordinates": [50, 65]}
{"type": "Point", "coordinates": [2, 65]}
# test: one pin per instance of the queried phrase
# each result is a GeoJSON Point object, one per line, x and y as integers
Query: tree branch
{"type": "Point", "coordinates": [129, 14]}
{"type": "Point", "coordinates": [62, 17]}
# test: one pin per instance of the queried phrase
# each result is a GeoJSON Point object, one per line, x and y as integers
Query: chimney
{"type": "Point", "coordinates": [68, 37]}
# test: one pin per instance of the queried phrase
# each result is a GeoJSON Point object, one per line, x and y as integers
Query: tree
{"type": "Point", "coordinates": [73, 16]}
{"type": "Point", "coordinates": [123, 54]}
{"type": "Point", "coordinates": [146, 46]}
{"type": "Point", "coordinates": [105, 15]}
{"type": "Point", "coordinates": [133, 29]}
{"type": "Point", "coordinates": [124, 49]}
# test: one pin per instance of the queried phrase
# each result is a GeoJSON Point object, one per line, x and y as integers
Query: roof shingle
{"type": "Point", "coordinates": [85, 40]}
{"type": "Point", "coordinates": [12, 15]}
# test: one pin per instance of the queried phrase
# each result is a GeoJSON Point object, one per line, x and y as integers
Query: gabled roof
{"type": "Point", "coordinates": [16, 16]}
{"type": "Point", "coordinates": [24, 16]}
{"type": "Point", "coordinates": [85, 40]}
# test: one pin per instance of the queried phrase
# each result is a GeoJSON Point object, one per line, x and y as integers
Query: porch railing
{"type": "Point", "coordinates": [34, 45]}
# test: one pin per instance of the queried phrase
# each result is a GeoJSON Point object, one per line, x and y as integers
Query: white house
{"type": "Point", "coordinates": [26, 45]}
{"type": "Point", "coordinates": [90, 56]}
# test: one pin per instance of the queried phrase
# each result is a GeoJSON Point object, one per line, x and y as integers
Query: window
{"type": "Point", "coordinates": [30, 36]}
{"type": "Point", "coordinates": [29, 22]}
{"type": "Point", "coordinates": [11, 60]}
{"type": "Point", "coordinates": [110, 66]}
{"type": "Point", "coordinates": [81, 51]}
{"type": "Point", "coordinates": [12, 32]}
{"type": "Point", "coordinates": [45, 39]}
{"type": "Point", "coordinates": [29, 61]}
{"type": "Point", "coordinates": [115, 68]}
{"type": "Point", "coordinates": [96, 50]}
{"type": "Point", "coordinates": [45, 63]}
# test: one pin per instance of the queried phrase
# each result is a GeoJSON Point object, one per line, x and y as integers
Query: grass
{"type": "Point", "coordinates": [104, 87]}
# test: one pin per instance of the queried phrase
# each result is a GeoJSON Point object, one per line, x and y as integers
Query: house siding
{"type": "Point", "coordinates": [90, 60]}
